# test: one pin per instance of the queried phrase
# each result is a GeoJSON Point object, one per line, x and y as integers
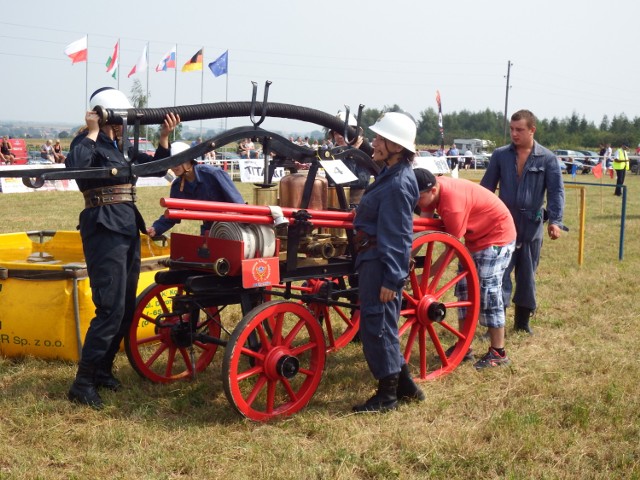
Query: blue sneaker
{"type": "Point", "coordinates": [492, 359]}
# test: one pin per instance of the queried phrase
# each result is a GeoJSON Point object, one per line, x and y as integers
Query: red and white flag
{"type": "Point", "coordinates": [77, 51]}
{"type": "Point", "coordinates": [141, 65]}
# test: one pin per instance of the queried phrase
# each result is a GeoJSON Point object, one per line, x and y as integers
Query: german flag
{"type": "Point", "coordinates": [195, 63]}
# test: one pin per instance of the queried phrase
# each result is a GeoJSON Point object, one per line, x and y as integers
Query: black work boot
{"type": "Point", "coordinates": [522, 316]}
{"type": "Point", "coordinates": [83, 390]}
{"type": "Point", "coordinates": [385, 399]}
{"type": "Point", "coordinates": [407, 390]}
{"type": "Point", "coordinates": [104, 378]}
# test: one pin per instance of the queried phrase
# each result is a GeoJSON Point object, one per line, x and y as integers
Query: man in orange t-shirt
{"type": "Point", "coordinates": [474, 213]}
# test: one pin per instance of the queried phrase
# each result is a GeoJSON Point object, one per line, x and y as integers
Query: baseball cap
{"type": "Point", "coordinates": [426, 180]}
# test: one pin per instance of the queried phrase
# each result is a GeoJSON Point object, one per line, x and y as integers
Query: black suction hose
{"type": "Point", "coordinates": [155, 116]}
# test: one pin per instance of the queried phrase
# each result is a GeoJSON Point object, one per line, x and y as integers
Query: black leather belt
{"type": "Point", "coordinates": [97, 197]}
{"type": "Point", "coordinates": [362, 241]}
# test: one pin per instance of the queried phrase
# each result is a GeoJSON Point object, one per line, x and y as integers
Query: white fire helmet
{"type": "Point", "coordinates": [109, 97]}
{"type": "Point", "coordinates": [178, 147]}
{"type": "Point", "coordinates": [398, 128]}
{"type": "Point", "coordinates": [352, 120]}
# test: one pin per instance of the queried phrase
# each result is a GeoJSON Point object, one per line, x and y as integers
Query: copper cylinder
{"type": "Point", "coordinates": [292, 187]}
{"type": "Point", "coordinates": [265, 196]}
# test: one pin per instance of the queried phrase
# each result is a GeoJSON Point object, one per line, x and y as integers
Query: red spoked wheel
{"type": "Point", "coordinates": [340, 323]}
{"type": "Point", "coordinates": [274, 360]}
{"type": "Point", "coordinates": [165, 347]}
{"type": "Point", "coordinates": [431, 309]}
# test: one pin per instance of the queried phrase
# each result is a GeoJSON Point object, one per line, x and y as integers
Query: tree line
{"type": "Point", "coordinates": [572, 132]}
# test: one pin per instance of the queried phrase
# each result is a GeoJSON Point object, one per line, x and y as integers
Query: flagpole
{"type": "Point", "coordinates": [175, 87]}
{"type": "Point", "coordinates": [86, 79]}
{"type": "Point", "coordinates": [202, 88]}
{"type": "Point", "coordinates": [175, 81]}
{"type": "Point", "coordinates": [226, 92]}
{"type": "Point", "coordinates": [118, 65]}
{"type": "Point", "coordinates": [146, 127]}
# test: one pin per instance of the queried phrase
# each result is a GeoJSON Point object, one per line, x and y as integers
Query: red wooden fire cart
{"type": "Point", "coordinates": [286, 272]}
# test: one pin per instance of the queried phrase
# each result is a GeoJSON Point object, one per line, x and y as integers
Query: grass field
{"type": "Point", "coordinates": [567, 408]}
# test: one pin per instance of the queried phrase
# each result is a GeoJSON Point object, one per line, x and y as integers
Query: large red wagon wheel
{"type": "Point", "coordinates": [164, 347]}
{"type": "Point", "coordinates": [431, 308]}
{"type": "Point", "coordinates": [274, 360]}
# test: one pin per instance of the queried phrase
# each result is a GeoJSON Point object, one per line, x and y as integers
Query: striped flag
{"type": "Point", "coordinates": [77, 51]}
{"type": "Point", "coordinates": [168, 61]}
{"type": "Point", "coordinates": [194, 63]}
{"type": "Point", "coordinates": [141, 65]}
{"type": "Point", "coordinates": [440, 123]}
{"type": "Point", "coordinates": [112, 61]}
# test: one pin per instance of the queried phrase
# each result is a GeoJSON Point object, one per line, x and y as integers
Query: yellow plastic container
{"type": "Point", "coordinates": [45, 297]}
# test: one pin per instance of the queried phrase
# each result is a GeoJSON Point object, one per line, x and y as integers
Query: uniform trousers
{"type": "Point", "coordinates": [378, 322]}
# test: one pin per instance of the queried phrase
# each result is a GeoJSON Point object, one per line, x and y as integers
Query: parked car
{"type": "Point", "coordinates": [480, 160]}
{"type": "Point", "coordinates": [572, 158]}
{"type": "Point", "coordinates": [423, 153]}
{"type": "Point", "coordinates": [144, 146]}
{"type": "Point", "coordinates": [227, 156]}
{"type": "Point", "coordinates": [590, 157]}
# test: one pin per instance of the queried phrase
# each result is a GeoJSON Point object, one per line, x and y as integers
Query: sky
{"type": "Point", "coordinates": [566, 57]}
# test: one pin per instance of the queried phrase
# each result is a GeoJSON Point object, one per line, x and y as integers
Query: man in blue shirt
{"type": "Point", "coordinates": [525, 171]}
{"type": "Point", "coordinates": [196, 182]}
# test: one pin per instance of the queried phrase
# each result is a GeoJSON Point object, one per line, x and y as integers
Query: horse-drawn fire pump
{"type": "Point", "coordinates": [286, 270]}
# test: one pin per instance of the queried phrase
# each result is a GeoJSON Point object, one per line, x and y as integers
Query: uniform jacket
{"type": "Point", "coordinates": [386, 212]}
{"type": "Point", "coordinates": [84, 153]}
{"type": "Point", "coordinates": [525, 196]}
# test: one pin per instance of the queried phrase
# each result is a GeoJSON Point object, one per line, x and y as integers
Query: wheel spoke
{"type": "Point", "coordinates": [293, 333]}
{"type": "Point", "coordinates": [170, 360]}
{"type": "Point", "coordinates": [161, 348]}
{"type": "Point", "coordinates": [257, 388]}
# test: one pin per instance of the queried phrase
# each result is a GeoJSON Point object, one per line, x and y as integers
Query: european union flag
{"type": "Point", "coordinates": [220, 65]}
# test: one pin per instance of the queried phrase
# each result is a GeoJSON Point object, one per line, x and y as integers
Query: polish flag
{"type": "Point", "coordinates": [77, 51]}
{"type": "Point", "coordinates": [141, 65]}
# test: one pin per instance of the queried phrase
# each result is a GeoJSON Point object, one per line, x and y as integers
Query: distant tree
{"type": "Point", "coordinates": [64, 134]}
{"type": "Point", "coordinates": [604, 124]}
{"type": "Point", "coordinates": [139, 98]}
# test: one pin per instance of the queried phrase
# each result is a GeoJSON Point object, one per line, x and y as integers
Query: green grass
{"type": "Point", "coordinates": [567, 408]}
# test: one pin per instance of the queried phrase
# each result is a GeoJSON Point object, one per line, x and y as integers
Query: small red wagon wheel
{"type": "Point", "coordinates": [274, 360]}
{"type": "Point", "coordinates": [164, 347]}
{"type": "Point", "coordinates": [431, 308]}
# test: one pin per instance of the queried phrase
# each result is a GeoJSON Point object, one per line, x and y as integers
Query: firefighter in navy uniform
{"type": "Point", "coordinates": [110, 227]}
{"type": "Point", "coordinates": [383, 239]}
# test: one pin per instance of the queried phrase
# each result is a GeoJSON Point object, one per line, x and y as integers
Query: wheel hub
{"type": "Point", "coordinates": [430, 310]}
{"type": "Point", "coordinates": [288, 366]}
{"type": "Point", "coordinates": [279, 363]}
{"type": "Point", "coordinates": [181, 335]}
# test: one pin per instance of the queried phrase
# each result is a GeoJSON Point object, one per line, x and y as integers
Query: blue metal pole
{"type": "Point", "coordinates": [623, 215]}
